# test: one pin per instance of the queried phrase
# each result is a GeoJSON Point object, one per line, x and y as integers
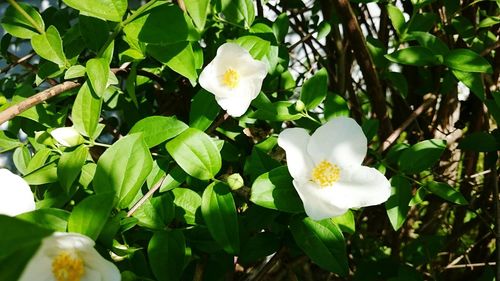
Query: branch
{"type": "Point", "coordinates": [365, 61]}
{"type": "Point", "coordinates": [38, 98]}
{"type": "Point", "coordinates": [395, 134]}
{"type": "Point", "coordinates": [146, 196]}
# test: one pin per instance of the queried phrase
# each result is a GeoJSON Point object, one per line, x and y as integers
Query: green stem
{"type": "Point", "coordinates": [121, 25]}
{"type": "Point", "coordinates": [306, 115]}
{"type": "Point", "coordinates": [26, 15]}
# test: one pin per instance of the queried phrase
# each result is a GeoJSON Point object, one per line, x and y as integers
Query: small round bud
{"type": "Point", "coordinates": [300, 106]}
{"type": "Point", "coordinates": [67, 136]}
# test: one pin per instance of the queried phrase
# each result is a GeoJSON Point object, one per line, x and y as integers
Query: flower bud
{"type": "Point", "coordinates": [67, 136]}
{"type": "Point", "coordinates": [300, 106]}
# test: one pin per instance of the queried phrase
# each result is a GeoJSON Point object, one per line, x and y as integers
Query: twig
{"type": "Point", "coordinates": [146, 197]}
{"type": "Point", "coordinates": [38, 98]}
{"type": "Point", "coordinates": [270, 264]}
{"type": "Point", "coordinates": [395, 134]}
{"type": "Point", "coordinates": [471, 265]}
{"type": "Point", "coordinates": [494, 177]}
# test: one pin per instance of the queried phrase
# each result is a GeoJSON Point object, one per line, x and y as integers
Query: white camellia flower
{"type": "Point", "coordinates": [69, 257]}
{"type": "Point", "coordinates": [67, 136]}
{"type": "Point", "coordinates": [15, 194]}
{"type": "Point", "coordinates": [234, 77]}
{"type": "Point", "coordinates": [327, 171]}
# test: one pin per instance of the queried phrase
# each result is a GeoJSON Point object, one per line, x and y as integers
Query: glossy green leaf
{"type": "Point", "coordinates": [197, 9]}
{"type": "Point", "coordinates": [479, 142]}
{"type": "Point", "coordinates": [179, 57]}
{"type": "Point", "coordinates": [42, 175]}
{"type": "Point", "coordinates": [123, 169]}
{"type": "Point", "coordinates": [196, 153]}
{"type": "Point", "coordinates": [418, 56]}
{"type": "Point", "coordinates": [314, 89]}
{"type": "Point", "coordinates": [187, 203]}
{"type": "Point", "coordinates": [94, 31]}
{"type": "Point", "coordinates": [98, 73]}
{"type": "Point", "coordinates": [166, 251]}
{"type": "Point", "coordinates": [346, 222]}
{"type": "Point", "coordinates": [281, 26]}
{"type": "Point", "coordinates": [74, 72]}
{"type": "Point", "coordinates": [219, 212]}
{"type": "Point", "coordinates": [91, 214]}
{"type": "Point", "coordinates": [397, 205]}
{"type": "Point", "coordinates": [157, 212]}
{"type": "Point", "coordinates": [274, 190]}
{"type": "Point", "coordinates": [7, 143]}
{"type": "Point", "coordinates": [204, 110]}
{"type": "Point", "coordinates": [157, 129]}
{"type": "Point", "coordinates": [256, 46]}
{"type": "Point", "coordinates": [421, 156]}
{"type": "Point", "coordinates": [70, 165]}
{"type": "Point", "coordinates": [86, 111]}
{"type": "Point", "coordinates": [49, 46]}
{"type": "Point", "coordinates": [258, 246]}
{"type": "Point", "coordinates": [446, 192]}
{"type": "Point", "coordinates": [468, 61]}
{"type": "Point", "coordinates": [431, 42]}
{"type": "Point", "coordinates": [397, 19]}
{"type": "Point", "coordinates": [278, 111]}
{"type": "Point", "coordinates": [472, 80]}
{"type": "Point", "coordinates": [21, 158]}
{"type": "Point", "coordinates": [240, 12]}
{"type": "Point", "coordinates": [322, 241]}
{"type": "Point", "coordinates": [112, 10]}
{"type": "Point", "coordinates": [17, 25]}
{"type": "Point", "coordinates": [55, 219]}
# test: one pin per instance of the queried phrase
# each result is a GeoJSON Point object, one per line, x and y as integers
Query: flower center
{"type": "Point", "coordinates": [325, 173]}
{"type": "Point", "coordinates": [231, 78]}
{"type": "Point", "coordinates": [67, 267]}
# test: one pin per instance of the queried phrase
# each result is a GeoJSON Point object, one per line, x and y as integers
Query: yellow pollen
{"type": "Point", "coordinates": [325, 173]}
{"type": "Point", "coordinates": [67, 267]}
{"type": "Point", "coordinates": [231, 78]}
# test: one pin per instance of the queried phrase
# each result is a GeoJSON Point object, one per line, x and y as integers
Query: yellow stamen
{"type": "Point", "coordinates": [67, 267]}
{"type": "Point", "coordinates": [325, 173]}
{"type": "Point", "coordinates": [231, 78]}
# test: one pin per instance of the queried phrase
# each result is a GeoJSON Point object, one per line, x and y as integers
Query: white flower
{"type": "Point", "coordinates": [15, 194]}
{"type": "Point", "coordinates": [67, 136]}
{"type": "Point", "coordinates": [69, 257]}
{"type": "Point", "coordinates": [234, 77]}
{"type": "Point", "coordinates": [327, 171]}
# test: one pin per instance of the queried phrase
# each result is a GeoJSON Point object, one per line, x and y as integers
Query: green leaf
{"type": "Point", "coordinates": [196, 153]}
{"type": "Point", "coordinates": [472, 80]}
{"type": "Point", "coordinates": [157, 129]}
{"type": "Point", "coordinates": [123, 168]}
{"type": "Point", "coordinates": [55, 219]}
{"type": "Point", "coordinates": [240, 12]}
{"type": "Point", "coordinates": [179, 57]}
{"type": "Point", "coordinates": [259, 246]}
{"type": "Point", "coordinates": [162, 24]}
{"type": "Point", "coordinates": [218, 206]}
{"type": "Point", "coordinates": [322, 241]}
{"type": "Point", "coordinates": [256, 46]}
{"type": "Point", "coordinates": [280, 27]}
{"type": "Point", "coordinates": [346, 222]}
{"type": "Point", "coordinates": [21, 158]}
{"type": "Point", "coordinates": [70, 166]}
{"type": "Point", "coordinates": [467, 60]}
{"type": "Point", "coordinates": [274, 190]}
{"type": "Point", "coordinates": [397, 19]}
{"type": "Point", "coordinates": [7, 143]}
{"type": "Point", "coordinates": [74, 72]}
{"type": "Point", "coordinates": [479, 142]}
{"type": "Point", "coordinates": [17, 25]}
{"type": "Point", "coordinates": [278, 111]}
{"type": "Point", "coordinates": [157, 212]}
{"type": "Point", "coordinates": [187, 203]}
{"type": "Point", "coordinates": [17, 233]}
{"type": "Point", "coordinates": [49, 46]}
{"type": "Point", "coordinates": [166, 253]}
{"type": "Point", "coordinates": [86, 111]}
{"type": "Point", "coordinates": [112, 10]}
{"type": "Point", "coordinates": [94, 31]}
{"type": "Point", "coordinates": [204, 110]}
{"type": "Point", "coordinates": [429, 41]}
{"type": "Point", "coordinates": [43, 175]}
{"type": "Point", "coordinates": [398, 80]}
{"type": "Point", "coordinates": [446, 192]}
{"type": "Point", "coordinates": [314, 89]}
{"type": "Point", "coordinates": [418, 56]}
{"type": "Point", "coordinates": [421, 156]}
{"type": "Point", "coordinates": [397, 205]}
{"type": "Point", "coordinates": [197, 9]}
{"type": "Point", "coordinates": [98, 73]}
{"type": "Point", "coordinates": [91, 214]}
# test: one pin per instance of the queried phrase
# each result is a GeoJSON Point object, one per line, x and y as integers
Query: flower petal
{"type": "Point", "coordinates": [235, 106]}
{"type": "Point", "coordinates": [316, 201]}
{"type": "Point", "coordinates": [361, 187]}
{"type": "Point", "coordinates": [38, 268]}
{"type": "Point", "coordinates": [340, 141]}
{"type": "Point", "coordinates": [294, 141]}
{"type": "Point", "coordinates": [106, 269]}
{"type": "Point", "coordinates": [16, 196]}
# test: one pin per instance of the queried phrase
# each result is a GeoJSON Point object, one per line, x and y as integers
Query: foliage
{"type": "Point", "coordinates": [176, 189]}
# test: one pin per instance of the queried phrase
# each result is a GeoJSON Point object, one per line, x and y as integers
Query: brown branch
{"type": "Point", "coordinates": [365, 61]}
{"type": "Point", "coordinates": [36, 99]}
{"type": "Point", "coordinates": [146, 196]}
{"type": "Point", "coordinates": [395, 134]}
